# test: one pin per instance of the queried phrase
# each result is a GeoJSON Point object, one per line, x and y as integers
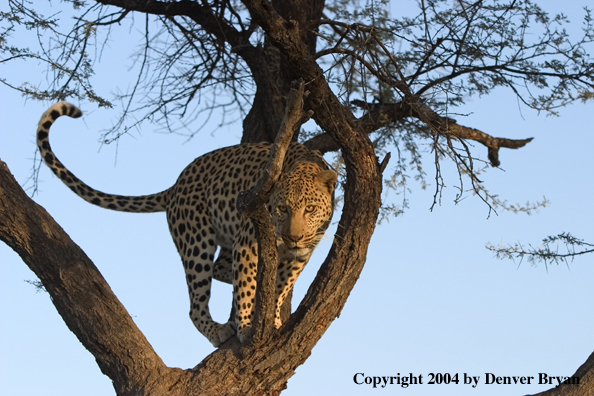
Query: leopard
{"type": "Point", "coordinates": [203, 220]}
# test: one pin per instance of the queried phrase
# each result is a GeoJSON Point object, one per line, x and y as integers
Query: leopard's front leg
{"type": "Point", "coordinates": [287, 273]}
{"type": "Point", "coordinates": [245, 268]}
{"type": "Point", "coordinates": [197, 248]}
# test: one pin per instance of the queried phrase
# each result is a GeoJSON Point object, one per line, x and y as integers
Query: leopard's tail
{"type": "Point", "coordinates": [143, 203]}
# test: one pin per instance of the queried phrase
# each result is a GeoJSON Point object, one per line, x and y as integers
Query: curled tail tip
{"type": "Point", "coordinates": [64, 108]}
{"type": "Point", "coordinates": [50, 116]}
{"type": "Point", "coordinates": [60, 109]}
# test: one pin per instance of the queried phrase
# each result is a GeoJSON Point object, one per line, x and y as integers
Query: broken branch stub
{"type": "Point", "coordinates": [381, 114]}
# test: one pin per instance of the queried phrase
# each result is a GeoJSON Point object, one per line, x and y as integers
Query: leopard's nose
{"type": "Point", "coordinates": [294, 238]}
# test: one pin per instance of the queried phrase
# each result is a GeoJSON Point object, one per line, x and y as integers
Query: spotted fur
{"type": "Point", "coordinates": [202, 216]}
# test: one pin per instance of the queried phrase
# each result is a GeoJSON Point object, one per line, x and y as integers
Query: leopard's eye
{"type": "Point", "coordinates": [282, 209]}
{"type": "Point", "coordinates": [310, 208]}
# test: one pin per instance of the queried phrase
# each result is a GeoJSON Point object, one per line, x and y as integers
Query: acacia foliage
{"type": "Point", "coordinates": [402, 72]}
{"type": "Point", "coordinates": [444, 52]}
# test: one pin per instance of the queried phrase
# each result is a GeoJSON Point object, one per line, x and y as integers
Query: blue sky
{"type": "Point", "coordinates": [431, 298]}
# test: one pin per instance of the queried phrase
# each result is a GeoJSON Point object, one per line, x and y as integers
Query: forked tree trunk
{"type": "Point", "coordinates": [101, 323]}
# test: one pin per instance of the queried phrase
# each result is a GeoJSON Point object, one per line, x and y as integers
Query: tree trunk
{"type": "Point", "coordinates": [264, 119]}
{"type": "Point", "coordinates": [101, 323]}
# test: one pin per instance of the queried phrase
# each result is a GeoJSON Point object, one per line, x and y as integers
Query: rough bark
{"type": "Point", "coordinates": [273, 72]}
{"type": "Point", "coordinates": [80, 294]}
{"type": "Point", "coordinates": [586, 386]}
{"type": "Point", "coordinates": [264, 118]}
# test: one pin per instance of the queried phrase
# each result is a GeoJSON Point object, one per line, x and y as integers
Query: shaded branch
{"type": "Point", "coordinates": [450, 128]}
{"type": "Point", "coordinates": [380, 115]}
{"type": "Point", "coordinates": [77, 289]}
{"type": "Point", "coordinates": [192, 9]}
{"type": "Point", "coordinates": [252, 204]}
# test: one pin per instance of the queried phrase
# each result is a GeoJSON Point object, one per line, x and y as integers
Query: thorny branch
{"type": "Point", "coordinates": [549, 251]}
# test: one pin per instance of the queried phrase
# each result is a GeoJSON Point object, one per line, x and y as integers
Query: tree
{"type": "Point", "coordinates": [367, 89]}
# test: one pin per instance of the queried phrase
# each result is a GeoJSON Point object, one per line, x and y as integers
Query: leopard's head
{"type": "Point", "coordinates": [302, 206]}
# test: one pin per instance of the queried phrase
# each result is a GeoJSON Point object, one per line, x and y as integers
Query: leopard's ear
{"type": "Point", "coordinates": [327, 179]}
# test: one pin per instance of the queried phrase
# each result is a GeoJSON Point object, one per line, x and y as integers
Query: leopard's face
{"type": "Point", "coordinates": [302, 207]}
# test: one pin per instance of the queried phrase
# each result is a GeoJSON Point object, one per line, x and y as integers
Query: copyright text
{"type": "Point", "coordinates": [406, 380]}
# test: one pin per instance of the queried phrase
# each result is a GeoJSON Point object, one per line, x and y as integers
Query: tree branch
{"type": "Point", "coordinates": [191, 9]}
{"type": "Point", "coordinates": [379, 115]}
{"type": "Point", "coordinates": [79, 292]}
{"type": "Point", "coordinates": [548, 252]}
{"type": "Point", "coordinates": [252, 204]}
{"type": "Point", "coordinates": [339, 272]}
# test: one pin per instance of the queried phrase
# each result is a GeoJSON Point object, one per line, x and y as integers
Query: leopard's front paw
{"type": "Point", "coordinates": [221, 334]}
{"type": "Point", "coordinates": [277, 322]}
{"type": "Point", "coordinates": [226, 331]}
{"type": "Point", "coordinates": [244, 334]}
